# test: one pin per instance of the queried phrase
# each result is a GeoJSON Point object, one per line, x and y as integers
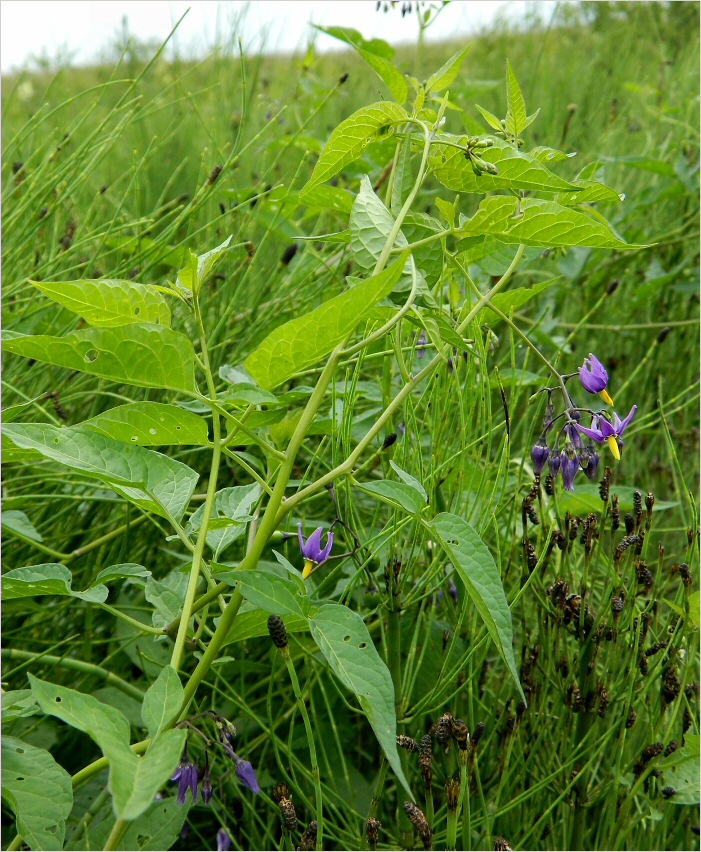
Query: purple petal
{"type": "Point", "coordinates": [593, 375]}
{"type": "Point", "coordinates": [223, 840]}
{"type": "Point", "coordinates": [301, 538]}
{"type": "Point", "coordinates": [608, 429]}
{"type": "Point", "coordinates": [325, 552]}
{"type": "Point", "coordinates": [247, 776]}
{"type": "Point", "coordinates": [627, 420]}
{"type": "Point", "coordinates": [313, 545]}
{"type": "Point", "coordinates": [593, 433]}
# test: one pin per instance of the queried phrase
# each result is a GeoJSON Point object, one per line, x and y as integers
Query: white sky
{"type": "Point", "coordinates": [82, 28]}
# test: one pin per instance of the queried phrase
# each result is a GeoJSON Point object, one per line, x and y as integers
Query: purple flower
{"type": "Point", "coordinates": [569, 465]}
{"type": "Point", "coordinates": [206, 786]}
{"type": "Point", "coordinates": [594, 378]}
{"type": "Point", "coordinates": [223, 840]}
{"type": "Point", "coordinates": [421, 345]}
{"type": "Point", "coordinates": [246, 775]}
{"type": "Point", "coordinates": [186, 776]}
{"type": "Point", "coordinates": [539, 455]}
{"type": "Point", "coordinates": [554, 463]}
{"type": "Point", "coordinates": [452, 589]}
{"type": "Point", "coordinates": [601, 430]}
{"type": "Point", "coordinates": [589, 460]}
{"type": "Point", "coordinates": [311, 549]}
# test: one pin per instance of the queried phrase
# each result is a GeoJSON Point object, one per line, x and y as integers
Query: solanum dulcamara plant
{"type": "Point", "coordinates": [412, 297]}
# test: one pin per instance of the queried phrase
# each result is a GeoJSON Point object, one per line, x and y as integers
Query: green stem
{"type": "Point", "coordinates": [179, 647]}
{"type": "Point", "coordinates": [115, 834]}
{"type": "Point", "coordinates": [465, 794]}
{"type": "Point", "coordinates": [76, 665]}
{"type": "Point", "coordinates": [312, 745]}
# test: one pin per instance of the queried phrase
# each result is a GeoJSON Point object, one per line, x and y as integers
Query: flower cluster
{"type": "Point", "coordinates": [187, 775]}
{"type": "Point", "coordinates": [578, 449]}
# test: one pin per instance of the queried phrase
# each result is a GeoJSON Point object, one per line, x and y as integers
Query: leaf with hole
{"type": "Point", "coordinates": [148, 356]}
{"type": "Point", "coordinates": [49, 578]}
{"type": "Point", "coordinates": [351, 138]}
{"type": "Point", "coordinates": [148, 424]}
{"type": "Point", "coordinates": [345, 642]}
{"type": "Point", "coordinates": [133, 781]}
{"type": "Point", "coordinates": [305, 340]}
{"type": "Point", "coordinates": [107, 302]}
{"type": "Point", "coordinates": [38, 791]}
{"type": "Point", "coordinates": [153, 481]}
{"type": "Point", "coordinates": [475, 566]}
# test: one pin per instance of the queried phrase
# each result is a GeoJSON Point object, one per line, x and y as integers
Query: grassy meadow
{"type": "Point", "coordinates": [117, 172]}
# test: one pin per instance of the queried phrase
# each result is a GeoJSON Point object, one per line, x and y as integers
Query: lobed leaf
{"type": "Point", "coordinates": [475, 566]}
{"type": "Point", "coordinates": [153, 481]}
{"type": "Point", "coordinates": [302, 342]}
{"type": "Point", "coordinates": [345, 642]}
{"type": "Point", "coordinates": [351, 138]}
{"type": "Point", "coordinates": [49, 578]}
{"type": "Point", "coordinates": [108, 302]}
{"type": "Point", "coordinates": [133, 781]}
{"type": "Point", "coordinates": [148, 356]}
{"type": "Point", "coordinates": [39, 792]}
{"type": "Point", "coordinates": [148, 424]}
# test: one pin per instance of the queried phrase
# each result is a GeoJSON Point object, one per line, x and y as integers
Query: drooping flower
{"type": "Point", "coordinates": [569, 465]}
{"type": "Point", "coordinates": [223, 840]}
{"type": "Point", "coordinates": [206, 785]}
{"type": "Point", "coordinates": [246, 775]}
{"type": "Point", "coordinates": [602, 430]}
{"type": "Point", "coordinates": [539, 455]}
{"type": "Point", "coordinates": [186, 776]}
{"type": "Point", "coordinates": [452, 589]}
{"type": "Point", "coordinates": [554, 462]}
{"type": "Point", "coordinates": [589, 460]}
{"type": "Point", "coordinates": [594, 378]}
{"type": "Point", "coordinates": [421, 345]}
{"type": "Point", "coordinates": [311, 549]}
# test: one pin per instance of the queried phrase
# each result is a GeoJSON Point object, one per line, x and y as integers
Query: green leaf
{"type": "Point", "coordinates": [302, 342]}
{"type": "Point", "coordinates": [130, 471]}
{"type": "Point", "coordinates": [410, 480]}
{"type": "Point", "coordinates": [516, 119]}
{"type": "Point", "coordinates": [517, 297]}
{"type": "Point", "coordinates": [377, 46]}
{"type": "Point", "coordinates": [156, 829]}
{"type": "Point", "coordinates": [403, 179]}
{"type": "Point", "coordinates": [39, 791]}
{"type": "Point", "coordinates": [396, 494]}
{"type": "Point", "coordinates": [370, 225]}
{"type": "Point", "coordinates": [162, 701]}
{"type": "Point", "coordinates": [428, 257]}
{"type": "Point", "coordinates": [517, 170]}
{"type": "Point", "coordinates": [345, 642]}
{"type": "Point", "coordinates": [445, 75]}
{"type": "Point", "coordinates": [478, 571]}
{"type": "Point", "coordinates": [193, 275]}
{"type": "Point", "coordinates": [549, 155]}
{"type": "Point", "coordinates": [269, 591]}
{"type": "Point", "coordinates": [590, 191]}
{"type": "Point", "coordinates": [108, 302]}
{"type": "Point", "coordinates": [490, 118]}
{"type": "Point", "coordinates": [681, 771]}
{"type": "Point", "coordinates": [133, 781]}
{"type": "Point", "coordinates": [148, 424]}
{"type": "Point", "coordinates": [351, 138]}
{"type": "Point", "coordinates": [252, 623]}
{"type": "Point", "coordinates": [49, 578]}
{"type": "Point", "coordinates": [17, 703]}
{"type": "Point", "coordinates": [118, 572]}
{"type": "Point", "coordinates": [541, 223]}
{"type": "Point", "coordinates": [15, 521]}
{"type": "Point", "coordinates": [148, 356]}
{"type": "Point", "coordinates": [231, 512]}
{"type": "Point", "coordinates": [694, 607]}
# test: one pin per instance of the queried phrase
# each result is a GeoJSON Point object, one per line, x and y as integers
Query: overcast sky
{"type": "Point", "coordinates": [84, 28]}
